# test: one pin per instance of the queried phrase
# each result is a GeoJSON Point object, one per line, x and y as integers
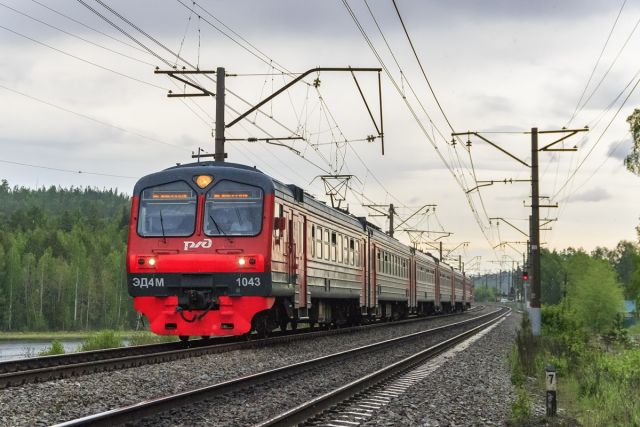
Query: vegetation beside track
{"type": "Point", "coordinates": [583, 337]}
{"type": "Point", "coordinates": [90, 340]}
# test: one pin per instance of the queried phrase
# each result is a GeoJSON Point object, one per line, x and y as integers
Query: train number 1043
{"type": "Point", "coordinates": [248, 281]}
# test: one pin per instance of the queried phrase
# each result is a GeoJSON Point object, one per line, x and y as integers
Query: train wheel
{"type": "Point", "coordinates": [283, 324]}
{"type": "Point", "coordinates": [184, 338]}
{"type": "Point", "coordinates": [261, 325]}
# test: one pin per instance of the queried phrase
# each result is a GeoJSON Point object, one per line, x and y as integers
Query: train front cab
{"type": "Point", "coordinates": [199, 250]}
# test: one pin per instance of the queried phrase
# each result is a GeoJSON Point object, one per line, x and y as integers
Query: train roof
{"type": "Point", "coordinates": [232, 170]}
{"type": "Point", "coordinates": [295, 194]}
{"type": "Point", "coordinates": [289, 192]}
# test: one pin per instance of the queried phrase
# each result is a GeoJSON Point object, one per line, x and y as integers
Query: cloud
{"type": "Point", "coordinates": [595, 195]}
{"type": "Point", "coordinates": [620, 149]}
{"type": "Point", "coordinates": [497, 104]}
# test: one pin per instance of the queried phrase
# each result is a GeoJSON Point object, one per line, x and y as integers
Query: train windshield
{"type": "Point", "coordinates": [167, 211]}
{"type": "Point", "coordinates": [233, 209]}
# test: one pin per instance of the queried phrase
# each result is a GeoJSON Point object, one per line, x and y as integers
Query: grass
{"type": "Point", "coordinates": [112, 339]}
{"type": "Point", "coordinates": [101, 340]}
{"type": "Point", "coordinates": [144, 337]}
{"type": "Point", "coordinates": [635, 329]}
{"type": "Point", "coordinates": [55, 349]}
{"type": "Point", "coordinates": [91, 340]}
{"type": "Point", "coordinates": [521, 406]}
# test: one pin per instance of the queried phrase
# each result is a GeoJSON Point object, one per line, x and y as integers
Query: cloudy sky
{"type": "Point", "coordinates": [79, 94]}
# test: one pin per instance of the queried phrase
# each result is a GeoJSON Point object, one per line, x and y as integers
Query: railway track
{"type": "Point", "coordinates": [299, 373]}
{"type": "Point", "coordinates": [25, 371]}
{"type": "Point", "coordinates": [357, 401]}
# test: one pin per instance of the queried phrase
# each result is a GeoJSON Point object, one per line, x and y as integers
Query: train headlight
{"type": "Point", "coordinates": [203, 180]}
{"type": "Point", "coordinates": [147, 262]}
{"type": "Point", "coordinates": [242, 262]}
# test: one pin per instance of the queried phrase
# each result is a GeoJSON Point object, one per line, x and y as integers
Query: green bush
{"type": "Point", "coordinates": [484, 294]}
{"type": "Point", "coordinates": [521, 406]}
{"type": "Point", "coordinates": [101, 340]}
{"type": "Point", "coordinates": [517, 375]}
{"type": "Point", "coordinates": [606, 381]}
{"type": "Point", "coordinates": [55, 349]}
{"type": "Point", "coordinates": [563, 333]}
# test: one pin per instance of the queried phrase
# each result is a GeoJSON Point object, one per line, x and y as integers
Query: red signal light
{"type": "Point", "coordinates": [525, 276]}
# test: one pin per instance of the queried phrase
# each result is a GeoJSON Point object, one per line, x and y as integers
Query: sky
{"type": "Point", "coordinates": [81, 106]}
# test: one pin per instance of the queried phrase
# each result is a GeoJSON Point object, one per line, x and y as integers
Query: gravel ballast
{"type": "Point", "coordinates": [259, 403]}
{"type": "Point", "coordinates": [472, 388]}
{"type": "Point", "coordinates": [57, 401]}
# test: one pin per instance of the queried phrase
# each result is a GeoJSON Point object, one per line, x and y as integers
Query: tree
{"type": "Point", "coordinates": [626, 260]}
{"type": "Point", "coordinates": [552, 277]}
{"type": "Point", "coordinates": [593, 293]}
{"type": "Point", "coordinates": [632, 161]}
{"type": "Point", "coordinates": [62, 258]}
{"type": "Point", "coordinates": [484, 294]}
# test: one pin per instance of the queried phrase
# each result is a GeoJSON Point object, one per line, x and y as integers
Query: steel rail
{"type": "Point", "coordinates": [151, 407]}
{"type": "Point", "coordinates": [314, 407]}
{"type": "Point", "coordinates": [25, 371]}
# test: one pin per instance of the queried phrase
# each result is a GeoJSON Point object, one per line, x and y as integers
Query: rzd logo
{"type": "Point", "coordinates": [204, 244]}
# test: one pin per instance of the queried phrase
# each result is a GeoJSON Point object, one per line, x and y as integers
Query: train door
{"type": "Point", "coordinates": [453, 289]}
{"type": "Point", "coordinates": [298, 265]}
{"type": "Point", "coordinates": [413, 288]}
{"type": "Point", "coordinates": [464, 290]}
{"type": "Point", "coordinates": [373, 288]}
{"type": "Point", "coordinates": [368, 273]}
{"type": "Point", "coordinates": [438, 296]}
{"type": "Point", "coordinates": [364, 259]}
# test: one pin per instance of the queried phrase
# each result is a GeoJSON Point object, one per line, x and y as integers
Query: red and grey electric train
{"type": "Point", "coordinates": [222, 249]}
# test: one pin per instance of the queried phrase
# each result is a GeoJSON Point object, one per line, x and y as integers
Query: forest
{"type": "Point", "coordinates": [62, 259]}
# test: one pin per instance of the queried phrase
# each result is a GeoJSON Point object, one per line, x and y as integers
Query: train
{"type": "Point", "coordinates": [218, 248]}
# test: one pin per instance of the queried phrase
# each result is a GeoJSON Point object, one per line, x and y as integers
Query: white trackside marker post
{"type": "Point", "coordinates": [550, 380]}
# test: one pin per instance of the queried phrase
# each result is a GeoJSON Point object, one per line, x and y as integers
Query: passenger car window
{"type": "Point", "coordinates": [167, 210]}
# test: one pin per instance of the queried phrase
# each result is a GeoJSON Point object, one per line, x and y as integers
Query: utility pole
{"type": "Point", "coordinates": [220, 155]}
{"type": "Point", "coordinates": [536, 317]}
{"type": "Point", "coordinates": [534, 235]}
{"type": "Point", "coordinates": [391, 212]}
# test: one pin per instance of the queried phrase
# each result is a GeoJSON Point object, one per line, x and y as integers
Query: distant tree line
{"type": "Point", "coordinates": [572, 268]}
{"type": "Point", "coordinates": [592, 286]}
{"type": "Point", "coordinates": [62, 259]}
